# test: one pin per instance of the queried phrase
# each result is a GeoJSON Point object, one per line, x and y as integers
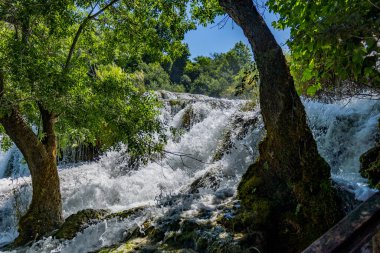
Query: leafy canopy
{"type": "Point", "coordinates": [332, 41]}
{"type": "Point", "coordinates": [224, 74]}
{"type": "Point", "coordinates": [72, 56]}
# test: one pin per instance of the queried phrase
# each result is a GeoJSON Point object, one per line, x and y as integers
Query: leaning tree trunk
{"type": "Point", "coordinates": [45, 211]}
{"type": "Point", "coordinates": [287, 192]}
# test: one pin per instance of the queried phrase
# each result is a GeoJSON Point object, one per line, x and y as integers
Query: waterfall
{"type": "Point", "coordinates": [211, 144]}
{"type": "Point", "coordinates": [12, 164]}
{"type": "Point", "coordinates": [344, 130]}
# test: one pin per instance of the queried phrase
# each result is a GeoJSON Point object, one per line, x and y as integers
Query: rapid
{"type": "Point", "coordinates": [207, 136]}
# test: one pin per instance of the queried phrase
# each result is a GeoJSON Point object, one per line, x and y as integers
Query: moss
{"type": "Point", "coordinates": [200, 234]}
{"type": "Point", "coordinates": [260, 210]}
{"type": "Point", "coordinates": [210, 180]}
{"type": "Point", "coordinates": [248, 106]}
{"type": "Point", "coordinates": [185, 237]}
{"type": "Point", "coordinates": [105, 250]}
{"type": "Point", "coordinates": [132, 245]}
{"type": "Point", "coordinates": [175, 102]}
{"type": "Point", "coordinates": [223, 146]}
{"type": "Point", "coordinates": [187, 118]}
{"type": "Point", "coordinates": [287, 194]}
{"type": "Point", "coordinates": [239, 128]}
{"type": "Point", "coordinates": [77, 222]}
{"type": "Point", "coordinates": [370, 166]}
{"type": "Point", "coordinates": [126, 213]}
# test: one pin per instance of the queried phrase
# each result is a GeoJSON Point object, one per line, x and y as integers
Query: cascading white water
{"type": "Point", "coordinates": [12, 164]}
{"type": "Point", "coordinates": [212, 136]}
{"type": "Point", "coordinates": [344, 130]}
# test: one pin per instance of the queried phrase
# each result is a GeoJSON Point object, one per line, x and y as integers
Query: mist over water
{"type": "Point", "coordinates": [207, 135]}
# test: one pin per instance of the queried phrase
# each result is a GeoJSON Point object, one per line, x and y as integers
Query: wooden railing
{"type": "Point", "coordinates": [353, 231]}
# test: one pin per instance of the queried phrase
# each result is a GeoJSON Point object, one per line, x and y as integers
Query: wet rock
{"type": "Point", "coordinates": [248, 106]}
{"type": "Point", "coordinates": [224, 193]}
{"type": "Point", "coordinates": [203, 232]}
{"type": "Point", "coordinates": [347, 197]}
{"type": "Point", "coordinates": [370, 166]}
{"type": "Point", "coordinates": [78, 222]}
{"type": "Point", "coordinates": [238, 129]}
{"type": "Point", "coordinates": [176, 105]}
{"type": "Point", "coordinates": [224, 146]}
{"type": "Point", "coordinates": [210, 180]}
{"type": "Point", "coordinates": [187, 119]}
{"type": "Point", "coordinates": [126, 213]}
{"type": "Point", "coordinates": [133, 245]}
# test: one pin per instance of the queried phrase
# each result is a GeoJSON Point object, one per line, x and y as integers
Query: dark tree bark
{"type": "Point", "coordinates": [45, 211]}
{"type": "Point", "coordinates": [287, 192]}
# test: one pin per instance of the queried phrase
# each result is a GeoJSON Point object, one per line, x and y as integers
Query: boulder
{"type": "Point", "coordinates": [79, 221]}
{"type": "Point", "coordinates": [370, 166]}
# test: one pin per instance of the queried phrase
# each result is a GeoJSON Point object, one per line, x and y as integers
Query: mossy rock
{"type": "Point", "coordinates": [238, 129]}
{"type": "Point", "coordinates": [198, 234]}
{"type": "Point", "coordinates": [77, 222]}
{"type": "Point", "coordinates": [126, 213]}
{"type": "Point", "coordinates": [133, 245]}
{"type": "Point", "coordinates": [224, 146]}
{"type": "Point", "coordinates": [287, 194]}
{"type": "Point", "coordinates": [187, 118]}
{"type": "Point", "coordinates": [370, 166]}
{"type": "Point", "coordinates": [349, 202]}
{"type": "Point", "coordinates": [176, 102]}
{"type": "Point", "coordinates": [188, 236]}
{"type": "Point", "coordinates": [210, 180]}
{"type": "Point", "coordinates": [248, 106]}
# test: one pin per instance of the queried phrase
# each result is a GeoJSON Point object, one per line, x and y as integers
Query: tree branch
{"type": "Point", "coordinates": [10, 20]}
{"type": "Point", "coordinates": [81, 27]}
{"type": "Point", "coordinates": [374, 5]}
{"type": "Point", "coordinates": [181, 155]}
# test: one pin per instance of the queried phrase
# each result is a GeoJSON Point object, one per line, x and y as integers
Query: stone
{"type": "Point", "coordinates": [79, 221]}
{"type": "Point", "coordinates": [370, 166]}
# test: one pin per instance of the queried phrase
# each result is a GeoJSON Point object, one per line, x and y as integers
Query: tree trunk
{"type": "Point", "coordinates": [45, 212]}
{"type": "Point", "coordinates": [287, 192]}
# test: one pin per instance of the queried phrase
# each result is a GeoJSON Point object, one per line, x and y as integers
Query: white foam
{"type": "Point", "coordinates": [343, 132]}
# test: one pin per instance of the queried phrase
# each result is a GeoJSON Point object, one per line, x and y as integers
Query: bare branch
{"type": "Point", "coordinates": [103, 9]}
{"type": "Point", "coordinates": [82, 26]}
{"type": "Point", "coordinates": [181, 155]}
{"type": "Point", "coordinates": [222, 23]}
{"type": "Point", "coordinates": [374, 5]}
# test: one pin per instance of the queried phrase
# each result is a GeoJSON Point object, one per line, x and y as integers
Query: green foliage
{"type": "Point", "coordinates": [177, 67]}
{"type": "Point", "coordinates": [153, 77]}
{"type": "Point", "coordinates": [205, 10]}
{"type": "Point", "coordinates": [332, 41]}
{"type": "Point", "coordinates": [75, 58]}
{"type": "Point", "coordinates": [223, 75]}
{"type": "Point", "coordinates": [6, 143]}
{"type": "Point", "coordinates": [230, 74]}
{"type": "Point", "coordinates": [248, 83]}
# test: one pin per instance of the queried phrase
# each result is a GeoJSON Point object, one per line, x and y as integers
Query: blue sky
{"type": "Point", "coordinates": [211, 39]}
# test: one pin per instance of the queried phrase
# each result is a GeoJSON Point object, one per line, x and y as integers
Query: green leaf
{"type": "Point", "coordinates": [311, 90]}
{"type": "Point", "coordinates": [307, 74]}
